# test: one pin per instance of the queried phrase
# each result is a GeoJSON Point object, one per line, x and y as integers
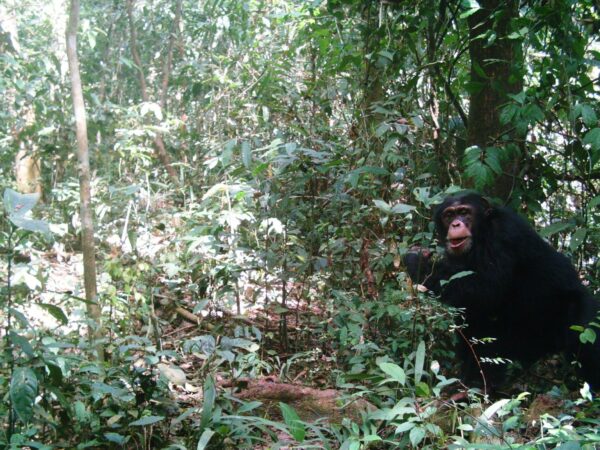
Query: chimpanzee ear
{"type": "Point", "coordinates": [487, 208]}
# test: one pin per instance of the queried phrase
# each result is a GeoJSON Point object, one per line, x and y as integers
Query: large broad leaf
{"type": "Point", "coordinates": [148, 420]}
{"type": "Point", "coordinates": [56, 312]}
{"type": "Point", "coordinates": [588, 115]}
{"type": "Point", "coordinates": [246, 155]}
{"type": "Point", "coordinates": [23, 390]}
{"type": "Point", "coordinates": [37, 226]}
{"type": "Point", "coordinates": [419, 361]}
{"type": "Point", "coordinates": [588, 335]}
{"type": "Point", "coordinates": [480, 173]}
{"type": "Point", "coordinates": [416, 435]}
{"type": "Point", "coordinates": [116, 438]}
{"type": "Point", "coordinates": [16, 204]}
{"type": "Point", "coordinates": [172, 373]}
{"type": "Point", "coordinates": [22, 342]}
{"type": "Point", "coordinates": [592, 138]}
{"type": "Point", "coordinates": [205, 344]}
{"type": "Point", "coordinates": [492, 159]}
{"type": "Point", "coordinates": [210, 395]}
{"type": "Point", "coordinates": [292, 420]}
{"type": "Point", "coordinates": [577, 238]}
{"type": "Point", "coordinates": [394, 371]}
{"type": "Point", "coordinates": [556, 227]}
{"type": "Point", "coordinates": [457, 276]}
{"type": "Point", "coordinates": [204, 439]}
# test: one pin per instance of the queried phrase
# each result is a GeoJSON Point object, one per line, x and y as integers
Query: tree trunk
{"type": "Point", "coordinates": [169, 58]}
{"type": "Point", "coordinates": [493, 77]}
{"type": "Point", "coordinates": [87, 222]}
{"type": "Point", "coordinates": [27, 172]}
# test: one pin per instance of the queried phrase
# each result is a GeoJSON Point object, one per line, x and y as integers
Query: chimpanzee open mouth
{"type": "Point", "coordinates": [459, 241]}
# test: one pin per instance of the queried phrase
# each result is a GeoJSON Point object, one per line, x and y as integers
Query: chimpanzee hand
{"type": "Point", "coordinates": [418, 263]}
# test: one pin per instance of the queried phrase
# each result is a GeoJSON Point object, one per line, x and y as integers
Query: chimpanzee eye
{"type": "Point", "coordinates": [463, 211]}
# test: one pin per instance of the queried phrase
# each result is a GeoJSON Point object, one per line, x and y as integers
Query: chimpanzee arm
{"type": "Point", "coordinates": [422, 270]}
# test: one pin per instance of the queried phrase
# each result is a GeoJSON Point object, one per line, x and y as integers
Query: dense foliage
{"type": "Point", "coordinates": [259, 168]}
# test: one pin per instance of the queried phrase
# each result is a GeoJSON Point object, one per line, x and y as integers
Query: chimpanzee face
{"type": "Point", "coordinates": [457, 220]}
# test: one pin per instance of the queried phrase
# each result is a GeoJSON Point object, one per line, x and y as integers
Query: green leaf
{"type": "Point", "coordinates": [532, 113]}
{"type": "Point", "coordinates": [472, 155]}
{"type": "Point", "coordinates": [519, 34]}
{"type": "Point", "coordinates": [116, 438]}
{"type": "Point", "coordinates": [588, 115]}
{"type": "Point", "coordinates": [384, 206]}
{"type": "Point", "coordinates": [200, 306]}
{"type": "Point", "coordinates": [457, 276]}
{"type": "Point", "coordinates": [171, 372]}
{"type": "Point", "coordinates": [17, 205]}
{"type": "Point", "coordinates": [519, 98]}
{"type": "Point", "coordinates": [390, 144]}
{"type": "Point", "coordinates": [37, 226]}
{"type": "Point", "coordinates": [292, 420]}
{"type": "Point", "coordinates": [404, 427]}
{"type": "Point", "coordinates": [401, 208]}
{"type": "Point", "coordinates": [492, 410]}
{"type": "Point", "coordinates": [354, 176]}
{"type": "Point", "coordinates": [23, 390]}
{"type": "Point", "coordinates": [508, 113]}
{"type": "Point", "coordinates": [588, 335]}
{"type": "Point", "coordinates": [394, 371]}
{"type": "Point", "coordinates": [81, 414]}
{"type": "Point", "coordinates": [250, 406]}
{"type": "Point", "coordinates": [492, 159]}
{"type": "Point", "coordinates": [382, 129]}
{"type": "Point", "coordinates": [554, 228]}
{"type": "Point", "coordinates": [260, 169]}
{"type": "Point", "coordinates": [419, 361]}
{"type": "Point", "coordinates": [56, 312]}
{"type": "Point", "coordinates": [22, 342]}
{"type": "Point", "coordinates": [422, 390]}
{"type": "Point", "coordinates": [577, 238]}
{"type": "Point", "coordinates": [204, 439]}
{"type": "Point", "coordinates": [416, 435]}
{"type": "Point", "coordinates": [480, 174]}
{"type": "Point", "coordinates": [20, 317]}
{"type": "Point", "coordinates": [246, 155]}
{"type": "Point", "coordinates": [387, 54]}
{"type": "Point", "coordinates": [147, 420]}
{"type": "Point", "coordinates": [594, 202]}
{"type": "Point", "coordinates": [592, 138]}
{"type": "Point", "coordinates": [372, 438]}
{"type": "Point", "coordinates": [471, 6]}
{"type": "Point", "coordinates": [210, 395]}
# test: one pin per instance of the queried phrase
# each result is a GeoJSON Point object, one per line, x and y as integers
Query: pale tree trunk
{"type": "Point", "coordinates": [159, 143]}
{"type": "Point", "coordinates": [87, 222]}
{"type": "Point", "coordinates": [27, 171]}
{"type": "Point", "coordinates": [27, 161]}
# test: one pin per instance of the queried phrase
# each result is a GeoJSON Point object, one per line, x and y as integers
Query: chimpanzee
{"type": "Point", "coordinates": [512, 285]}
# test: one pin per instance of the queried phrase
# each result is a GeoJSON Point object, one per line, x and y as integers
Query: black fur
{"type": "Point", "coordinates": [522, 292]}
